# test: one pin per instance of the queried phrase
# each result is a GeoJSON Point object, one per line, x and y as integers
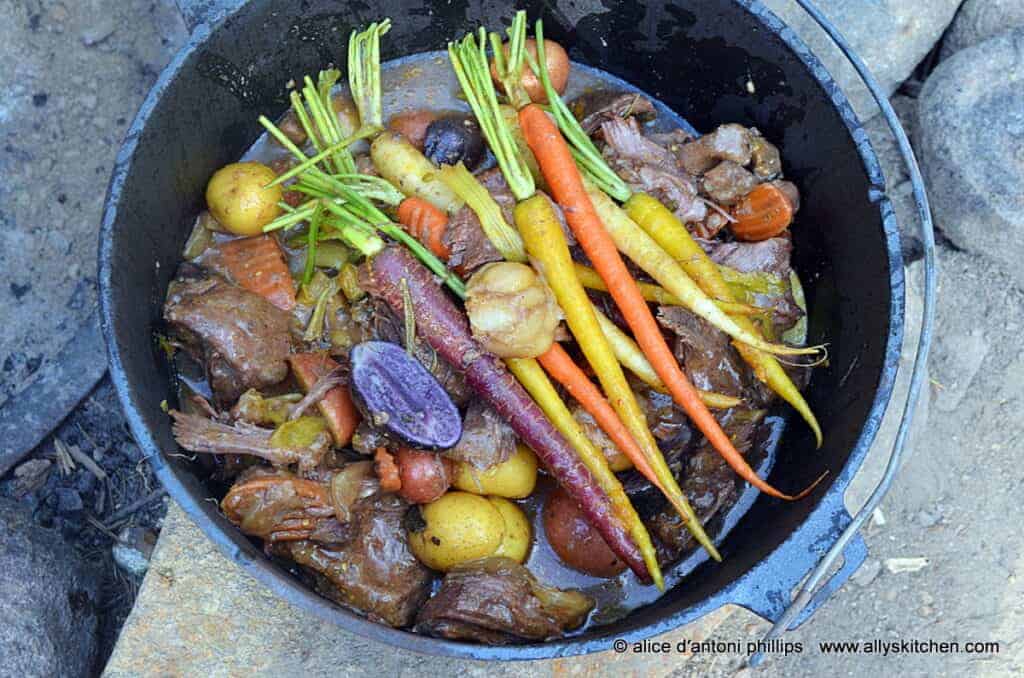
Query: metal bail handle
{"type": "Point", "coordinates": [813, 593]}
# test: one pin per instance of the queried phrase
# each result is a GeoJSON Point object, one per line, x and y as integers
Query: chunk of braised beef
{"type": "Point", "coordinates": [240, 337]}
{"type": "Point", "coordinates": [487, 440]}
{"type": "Point", "coordinates": [649, 167]}
{"type": "Point", "coordinates": [708, 482]}
{"type": "Point", "coordinates": [498, 601]}
{"type": "Point", "coordinates": [727, 182]}
{"type": "Point", "coordinates": [705, 352]}
{"type": "Point", "coordinates": [373, 572]}
{"type": "Point", "coordinates": [276, 505]}
{"type": "Point", "coordinates": [766, 256]}
{"type": "Point", "coordinates": [726, 142]}
{"type": "Point", "coordinates": [595, 107]}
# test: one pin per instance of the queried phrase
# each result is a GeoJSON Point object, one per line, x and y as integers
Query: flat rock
{"type": "Point", "coordinates": [971, 131]}
{"type": "Point", "coordinates": [197, 614]}
{"type": "Point", "coordinates": [48, 601]}
{"type": "Point", "coordinates": [71, 85]}
{"type": "Point", "coordinates": [891, 38]}
{"type": "Point", "coordinates": [979, 20]}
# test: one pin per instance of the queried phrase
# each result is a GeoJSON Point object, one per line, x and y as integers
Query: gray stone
{"type": "Point", "coordinates": [48, 601]}
{"type": "Point", "coordinates": [979, 20]}
{"type": "Point", "coordinates": [891, 38]}
{"type": "Point", "coordinates": [56, 159]}
{"type": "Point", "coordinates": [971, 131]}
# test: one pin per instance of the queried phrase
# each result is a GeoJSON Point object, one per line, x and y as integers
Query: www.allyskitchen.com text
{"type": "Point", "coordinates": [876, 646]}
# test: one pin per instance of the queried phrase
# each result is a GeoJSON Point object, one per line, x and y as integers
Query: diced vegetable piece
{"type": "Point", "coordinates": [336, 406]}
{"type": "Point", "coordinates": [398, 393]}
{"type": "Point", "coordinates": [387, 471]}
{"type": "Point", "coordinates": [301, 432]}
{"type": "Point", "coordinates": [763, 213]}
{"type": "Point", "coordinates": [258, 265]}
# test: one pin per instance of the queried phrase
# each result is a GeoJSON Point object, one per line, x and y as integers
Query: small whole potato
{"type": "Point", "coordinates": [513, 478]}
{"type": "Point", "coordinates": [238, 200]}
{"type": "Point", "coordinates": [576, 543]}
{"type": "Point", "coordinates": [425, 475]}
{"type": "Point", "coordinates": [512, 312]}
{"type": "Point", "coordinates": [457, 528]}
{"type": "Point", "coordinates": [516, 543]}
{"type": "Point", "coordinates": [558, 70]}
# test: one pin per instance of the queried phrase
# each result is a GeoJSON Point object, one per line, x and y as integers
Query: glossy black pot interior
{"type": "Point", "coordinates": [698, 58]}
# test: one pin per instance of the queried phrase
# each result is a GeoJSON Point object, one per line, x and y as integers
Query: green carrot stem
{"type": "Point", "coordinates": [311, 243]}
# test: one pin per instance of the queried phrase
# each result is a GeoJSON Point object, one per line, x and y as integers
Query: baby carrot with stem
{"type": "Point", "coordinates": [544, 240]}
{"type": "Point", "coordinates": [562, 176]}
{"type": "Point", "coordinates": [672, 235]}
{"type": "Point", "coordinates": [426, 223]}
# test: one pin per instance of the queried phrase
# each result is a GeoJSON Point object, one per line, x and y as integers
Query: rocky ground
{"type": "Point", "coordinates": [945, 546]}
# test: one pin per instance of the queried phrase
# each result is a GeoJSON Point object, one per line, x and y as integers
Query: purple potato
{"type": "Point", "coordinates": [397, 393]}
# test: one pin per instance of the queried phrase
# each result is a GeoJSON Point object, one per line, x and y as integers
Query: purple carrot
{"type": "Point", "coordinates": [442, 325]}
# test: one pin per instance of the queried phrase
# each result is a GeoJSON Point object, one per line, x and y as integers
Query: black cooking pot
{"type": "Point", "coordinates": [697, 57]}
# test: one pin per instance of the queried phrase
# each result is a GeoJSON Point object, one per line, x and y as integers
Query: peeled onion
{"type": "Point", "coordinates": [512, 312]}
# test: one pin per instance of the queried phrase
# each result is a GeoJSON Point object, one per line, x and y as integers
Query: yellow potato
{"type": "Point", "coordinates": [514, 478]}
{"type": "Point", "coordinates": [238, 200]}
{"type": "Point", "coordinates": [516, 543]}
{"type": "Point", "coordinates": [460, 527]}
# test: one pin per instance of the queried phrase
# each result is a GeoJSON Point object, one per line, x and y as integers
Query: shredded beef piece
{"type": "Point", "coordinates": [487, 440]}
{"type": "Point", "coordinates": [599, 106]}
{"type": "Point", "coordinates": [200, 434]}
{"type": "Point", "coordinates": [498, 601]}
{"type": "Point", "coordinates": [727, 182]}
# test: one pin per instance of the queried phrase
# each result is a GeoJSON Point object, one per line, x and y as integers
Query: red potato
{"type": "Point", "coordinates": [413, 126]}
{"type": "Point", "coordinates": [558, 70]}
{"type": "Point", "coordinates": [576, 543]}
{"type": "Point", "coordinates": [425, 475]}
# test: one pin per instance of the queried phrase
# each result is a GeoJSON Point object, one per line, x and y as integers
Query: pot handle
{"type": "Point", "coordinates": [789, 564]}
{"type": "Point", "coordinates": [196, 12]}
{"type": "Point", "coordinates": [813, 591]}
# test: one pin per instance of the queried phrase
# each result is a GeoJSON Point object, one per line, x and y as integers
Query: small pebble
{"type": "Point", "coordinates": [868, 572]}
{"type": "Point", "coordinates": [926, 519]}
{"type": "Point", "coordinates": [133, 550]}
{"type": "Point", "coordinates": [898, 565]}
{"type": "Point", "coordinates": [878, 518]}
{"type": "Point", "coordinates": [98, 32]}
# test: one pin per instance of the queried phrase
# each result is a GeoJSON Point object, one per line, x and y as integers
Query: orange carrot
{"type": "Point", "coordinates": [763, 213]}
{"type": "Point", "coordinates": [336, 406]}
{"type": "Point", "coordinates": [562, 176]}
{"type": "Point", "coordinates": [258, 265]}
{"type": "Point", "coordinates": [426, 223]}
{"type": "Point", "coordinates": [387, 470]}
{"type": "Point", "coordinates": [560, 365]}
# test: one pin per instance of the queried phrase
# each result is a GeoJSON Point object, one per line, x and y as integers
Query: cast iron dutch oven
{"type": "Point", "coordinates": [696, 56]}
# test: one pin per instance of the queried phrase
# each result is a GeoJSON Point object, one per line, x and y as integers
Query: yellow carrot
{"type": "Point", "coordinates": [646, 253]}
{"type": "Point", "coordinates": [662, 225]}
{"type": "Point", "coordinates": [545, 242]}
{"type": "Point", "coordinates": [591, 279]}
{"type": "Point", "coordinates": [537, 384]}
{"type": "Point", "coordinates": [633, 359]}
